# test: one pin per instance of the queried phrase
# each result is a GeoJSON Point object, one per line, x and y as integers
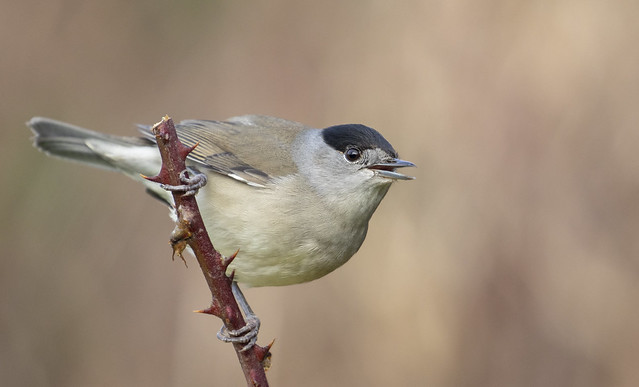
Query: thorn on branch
{"type": "Point", "coordinates": [160, 178]}
{"type": "Point", "coordinates": [212, 310]}
{"type": "Point", "coordinates": [227, 261]}
{"type": "Point", "coordinates": [186, 150]}
{"type": "Point", "coordinates": [264, 354]}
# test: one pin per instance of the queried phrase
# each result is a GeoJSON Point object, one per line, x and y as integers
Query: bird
{"type": "Point", "coordinates": [290, 202]}
{"type": "Point", "coordinates": [295, 200]}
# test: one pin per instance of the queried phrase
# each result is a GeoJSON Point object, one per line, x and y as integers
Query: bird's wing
{"type": "Point", "coordinates": [234, 148]}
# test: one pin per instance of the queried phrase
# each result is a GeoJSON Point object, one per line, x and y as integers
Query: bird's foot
{"type": "Point", "coordinates": [191, 183]}
{"type": "Point", "coordinates": [248, 333]}
{"type": "Point", "coordinates": [245, 335]}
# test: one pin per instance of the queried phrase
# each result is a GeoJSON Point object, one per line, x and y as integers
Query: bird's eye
{"type": "Point", "coordinates": [352, 154]}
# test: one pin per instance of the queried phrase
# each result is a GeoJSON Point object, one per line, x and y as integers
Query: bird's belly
{"type": "Point", "coordinates": [279, 243]}
{"type": "Point", "coordinates": [274, 257]}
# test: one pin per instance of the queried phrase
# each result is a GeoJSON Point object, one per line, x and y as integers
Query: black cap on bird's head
{"type": "Point", "coordinates": [341, 137]}
{"type": "Point", "coordinates": [359, 138]}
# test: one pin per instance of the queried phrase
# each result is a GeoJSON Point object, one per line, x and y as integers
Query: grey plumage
{"type": "Point", "coordinates": [283, 193]}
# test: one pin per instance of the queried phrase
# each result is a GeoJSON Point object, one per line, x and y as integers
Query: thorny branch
{"type": "Point", "coordinates": [190, 231]}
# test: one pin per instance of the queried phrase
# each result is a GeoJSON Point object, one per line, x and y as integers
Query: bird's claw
{"type": "Point", "coordinates": [245, 335]}
{"type": "Point", "coordinates": [191, 183]}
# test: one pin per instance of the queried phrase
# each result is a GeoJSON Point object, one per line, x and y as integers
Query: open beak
{"type": "Point", "coordinates": [387, 169]}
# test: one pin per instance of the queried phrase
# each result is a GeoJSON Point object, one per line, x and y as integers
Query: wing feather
{"type": "Point", "coordinates": [233, 148]}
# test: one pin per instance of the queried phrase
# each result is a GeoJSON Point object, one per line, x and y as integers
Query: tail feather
{"type": "Point", "coordinates": [129, 155]}
{"type": "Point", "coordinates": [75, 143]}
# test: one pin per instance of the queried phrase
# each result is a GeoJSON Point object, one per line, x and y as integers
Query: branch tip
{"type": "Point", "coordinates": [160, 129]}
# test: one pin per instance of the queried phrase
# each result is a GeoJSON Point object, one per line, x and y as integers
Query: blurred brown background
{"type": "Point", "coordinates": [511, 261]}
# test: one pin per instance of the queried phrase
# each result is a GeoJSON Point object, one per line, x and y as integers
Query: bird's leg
{"type": "Point", "coordinates": [248, 333]}
{"type": "Point", "coordinates": [191, 184]}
